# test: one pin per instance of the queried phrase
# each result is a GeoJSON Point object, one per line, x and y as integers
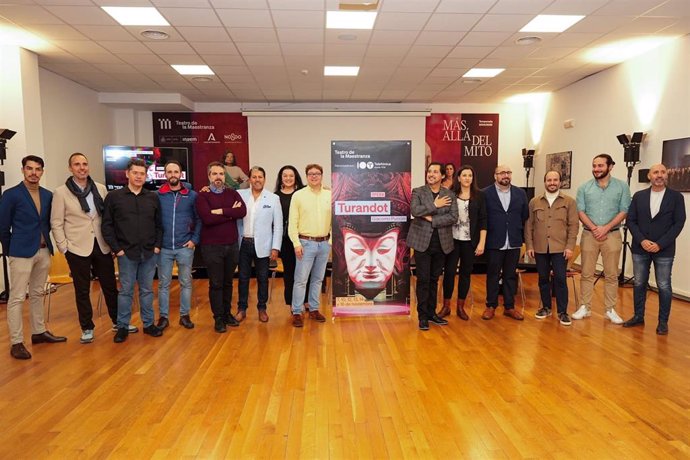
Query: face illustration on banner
{"type": "Point", "coordinates": [370, 261]}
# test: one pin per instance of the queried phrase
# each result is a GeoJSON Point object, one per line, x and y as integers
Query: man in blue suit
{"type": "Point", "coordinates": [655, 218]}
{"type": "Point", "coordinates": [261, 235]}
{"type": "Point", "coordinates": [507, 210]}
{"type": "Point", "coordinates": [25, 237]}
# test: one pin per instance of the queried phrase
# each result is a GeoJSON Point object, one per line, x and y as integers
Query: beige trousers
{"type": "Point", "coordinates": [610, 250]}
{"type": "Point", "coordinates": [32, 272]}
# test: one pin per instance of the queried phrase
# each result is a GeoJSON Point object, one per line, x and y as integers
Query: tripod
{"type": "Point", "coordinates": [622, 280]}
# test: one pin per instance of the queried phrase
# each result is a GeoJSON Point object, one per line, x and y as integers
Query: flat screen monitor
{"type": "Point", "coordinates": [116, 157]}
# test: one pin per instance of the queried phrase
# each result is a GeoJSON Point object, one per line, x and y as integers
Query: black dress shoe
{"type": "Point", "coordinates": [438, 320]}
{"type": "Point", "coordinates": [423, 325]}
{"type": "Point", "coordinates": [47, 337]}
{"type": "Point", "coordinates": [662, 329]}
{"type": "Point", "coordinates": [19, 351]}
{"type": "Point", "coordinates": [162, 323]}
{"type": "Point", "coordinates": [231, 321]}
{"type": "Point", "coordinates": [220, 326]}
{"type": "Point", "coordinates": [153, 331]}
{"type": "Point", "coordinates": [634, 321]}
{"type": "Point", "coordinates": [121, 335]}
{"type": "Point", "coordinates": [186, 322]}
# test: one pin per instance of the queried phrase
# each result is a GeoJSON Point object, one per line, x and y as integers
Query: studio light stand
{"type": "Point", "coordinates": [631, 156]}
{"type": "Point", "coordinates": [5, 135]}
{"type": "Point", "coordinates": [527, 163]}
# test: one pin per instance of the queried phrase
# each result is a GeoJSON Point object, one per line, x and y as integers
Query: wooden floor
{"type": "Point", "coordinates": [355, 388]}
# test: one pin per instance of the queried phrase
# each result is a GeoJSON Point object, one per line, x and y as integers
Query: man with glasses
{"type": "Point", "coordinates": [507, 210]}
{"type": "Point", "coordinates": [309, 229]}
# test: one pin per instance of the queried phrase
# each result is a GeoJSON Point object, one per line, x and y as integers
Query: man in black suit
{"type": "Point", "coordinates": [655, 219]}
{"type": "Point", "coordinates": [507, 210]}
{"type": "Point", "coordinates": [435, 210]}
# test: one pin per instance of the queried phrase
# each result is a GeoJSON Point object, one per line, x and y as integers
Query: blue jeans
{"type": "Point", "coordinates": [141, 272]}
{"type": "Point", "coordinates": [184, 258]}
{"type": "Point", "coordinates": [247, 256]}
{"type": "Point", "coordinates": [314, 261]}
{"type": "Point", "coordinates": [662, 272]}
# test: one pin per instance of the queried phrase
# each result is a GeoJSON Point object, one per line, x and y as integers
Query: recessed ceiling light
{"type": "Point", "coordinates": [526, 41]}
{"type": "Point", "coordinates": [350, 19]}
{"type": "Point", "coordinates": [551, 23]}
{"type": "Point", "coordinates": [154, 34]}
{"type": "Point", "coordinates": [136, 15]}
{"type": "Point", "coordinates": [202, 79]}
{"type": "Point", "coordinates": [482, 73]}
{"type": "Point", "coordinates": [340, 71]}
{"type": "Point", "coordinates": [192, 69]}
{"type": "Point", "coordinates": [613, 53]}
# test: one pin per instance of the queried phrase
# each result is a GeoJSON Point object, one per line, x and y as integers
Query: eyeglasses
{"type": "Point", "coordinates": [504, 173]}
{"type": "Point", "coordinates": [314, 174]}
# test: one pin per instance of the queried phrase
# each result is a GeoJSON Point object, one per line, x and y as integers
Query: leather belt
{"type": "Point", "coordinates": [44, 245]}
{"type": "Point", "coordinates": [612, 230]}
{"type": "Point", "coordinates": [246, 238]}
{"type": "Point", "coordinates": [314, 238]}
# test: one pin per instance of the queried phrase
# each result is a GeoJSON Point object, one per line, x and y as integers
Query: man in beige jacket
{"type": "Point", "coordinates": [76, 224]}
{"type": "Point", "coordinates": [550, 236]}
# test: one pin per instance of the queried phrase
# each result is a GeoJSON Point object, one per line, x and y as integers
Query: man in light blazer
{"type": "Point", "coordinates": [655, 218]}
{"type": "Point", "coordinates": [76, 223]}
{"type": "Point", "coordinates": [25, 237]}
{"type": "Point", "coordinates": [507, 210]}
{"type": "Point", "coordinates": [435, 210]}
{"type": "Point", "coordinates": [261, 235]}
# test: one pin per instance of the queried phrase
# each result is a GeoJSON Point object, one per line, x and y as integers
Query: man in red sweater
{"type": "Point", "coordinates": [219, 209]}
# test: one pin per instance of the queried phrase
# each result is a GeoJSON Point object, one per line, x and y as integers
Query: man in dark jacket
{"type": "Point", "coordinates": [655, 218]}
{"type": "Point", "coordinates": [181, 232]}
{"type": "Point", "coordinates": [507, 210]}
{"type": "Point", "coordinates": [132, 228]}
{"type": "Point", "coordinates": [25, 236]}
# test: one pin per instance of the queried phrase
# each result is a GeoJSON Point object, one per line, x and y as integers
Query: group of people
{"type": "Point", "coordinates": [133, 231]}
{"type": "Point", "coordinates": [454, 222]}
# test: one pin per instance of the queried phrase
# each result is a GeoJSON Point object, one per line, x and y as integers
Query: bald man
{"type": "Point", "coordinates": [507, 210]}
{"type": "Point", "coordinates": [655, 218]}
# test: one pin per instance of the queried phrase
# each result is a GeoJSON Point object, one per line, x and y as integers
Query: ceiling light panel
{"type": "Point", "coordinates": [192, 69]}
{"type": "Point", "coordinates": [551, 23]}
{"type": "Point", "coordinates": [340, 71]}
{"type": "Point", "coordinates": [350, 19]}
{"type": "Point", "coordinates": [136, 16]}
{"type": "Point", "coordinates": [482, 73]}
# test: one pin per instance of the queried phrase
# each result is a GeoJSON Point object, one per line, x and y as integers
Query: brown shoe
{"type": "Point", "coordinates": [317, 316]}
{"type": "Point", "coordinates": [445, 310]}
{"type": "Point", "coordinates": [460, 310]}
{"type": "Point", "coordinates": [489, 313]}
{"type": "Point", "coordinates": [297, 320]}
{"type": "Point", "coordinates": [241, 315]}
{"type": "Point", "coordinates": [513, 313]}
{"type": "Point", "coordinates": [19, 351]}
{"type": "Point", "coordinates": [263, 316]}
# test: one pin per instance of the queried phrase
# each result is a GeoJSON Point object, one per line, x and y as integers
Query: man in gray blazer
{"type": "Point", "coordinates": [435, 210]}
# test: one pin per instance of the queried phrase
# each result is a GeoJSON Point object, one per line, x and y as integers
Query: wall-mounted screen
{"type": "Point", "coordinates": [116, 157]}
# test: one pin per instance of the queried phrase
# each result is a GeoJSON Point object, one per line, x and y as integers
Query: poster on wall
{"type": "Point", "coordinates": [208, 137]}
{"type": "Point", "coordinates": [464, 138]}
{"type": "Point", "coordinates": [675, 155]}
{"type": "Point", "coordinates": [561, 162]}
{"type": "Point", "coordinates": [371, 207]}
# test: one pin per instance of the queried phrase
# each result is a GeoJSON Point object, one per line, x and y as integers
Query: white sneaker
{"type": "Point", "coordinates": [86, 336]}
{"type": "Point", "coordinates": [582, 312]}
{"type": "Point", "coordinates": [131, 328]}
{"type": "Point", "coordinates": [613, 317]}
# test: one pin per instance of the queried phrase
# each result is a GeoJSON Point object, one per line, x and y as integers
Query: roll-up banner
{"type": "Point", "coordinates": [371, 207]}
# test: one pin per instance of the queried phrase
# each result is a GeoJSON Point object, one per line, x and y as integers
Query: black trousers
{"type": "Point", "coordinates": [221, 261]}
{"type": "Point", "coordinates": [463, 252]}
{"type": "Point", "coordinates": [104, 268]}
{"type": "Point", "coordinates": [545, 264]}
{"type": "Point", "coordinates": [429, 268]}
{"type": "Point", "coordinates": [501, 263]}
{"type": "Point", "coordinates": [287, 254]}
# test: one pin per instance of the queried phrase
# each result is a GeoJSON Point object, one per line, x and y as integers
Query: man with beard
{"type": "Point", "coordinates": [602, 204]}
{"type": "Point", "coordinates": [655, 218]}
{"type": "Point", "coordinates": [506, 210]}
{"type": "Point", "coordinates": [219, 210]}
{"type": "Point", "coordinates": [435, 210]}
{"type": "Point", "coordinates": [181, 233]}
{"type": "Point", "coordinates": [76, 223]}
{"type": "Point", "coordinates": [550, 236]}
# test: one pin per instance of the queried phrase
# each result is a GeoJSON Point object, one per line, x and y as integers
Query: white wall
{"type": "Point", "coordinates": [650, 93]}
{"type": "Point", "coordinates": [73, 121]}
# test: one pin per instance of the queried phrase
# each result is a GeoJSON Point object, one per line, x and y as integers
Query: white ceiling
{"type": "Point", "coordinates": [275, 50]}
